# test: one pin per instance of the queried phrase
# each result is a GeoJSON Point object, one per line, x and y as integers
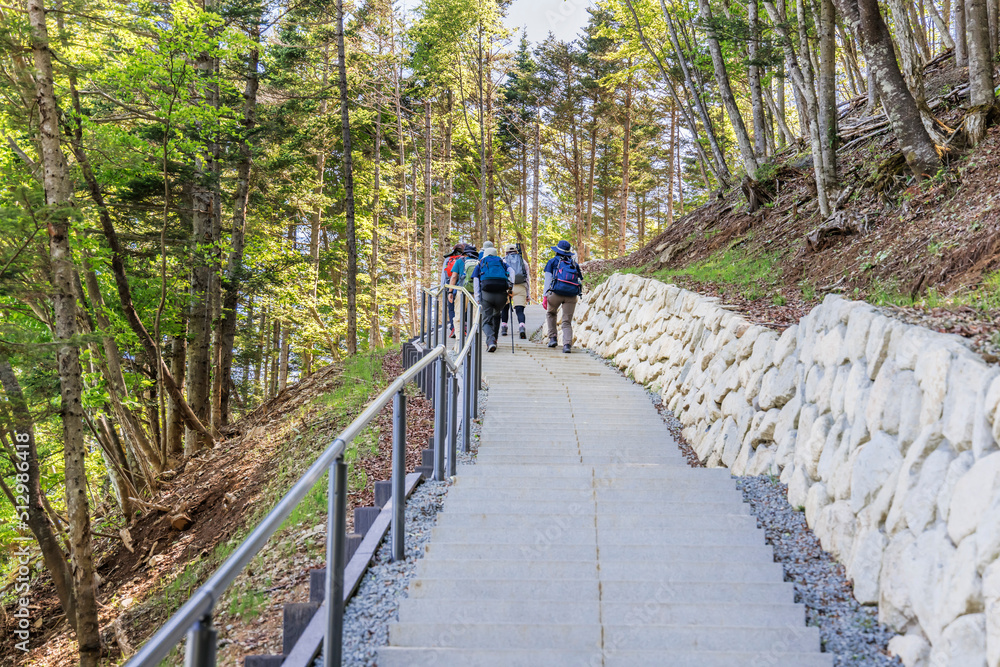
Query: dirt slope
{"type": "Point", "coordinates": [224, 492]}
{"type": "Point", "coordinates": [929, 252]}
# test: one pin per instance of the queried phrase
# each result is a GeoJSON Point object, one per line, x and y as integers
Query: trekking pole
{"type": "Point", "coordinates": [511, 318]}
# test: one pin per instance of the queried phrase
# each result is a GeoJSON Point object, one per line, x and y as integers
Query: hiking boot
{"type": "Point", "coordinates": [552, 342]}
{"type": "Point", "coordinates": [452, 333]}
{"type": "Point", "coordinates": [503, 329]}
{"type": "Point", "coordinates": [521, 331]}
{"type": "Point", "coordinates": [492, 347]}
{"type": "Point", "coordinates": [566, 348]}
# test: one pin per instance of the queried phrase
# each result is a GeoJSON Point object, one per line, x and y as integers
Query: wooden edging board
{"type": "Point", "coordinates": [311, 641]}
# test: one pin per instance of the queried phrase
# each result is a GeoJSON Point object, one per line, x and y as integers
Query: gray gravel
{"type": "Point", "coordinates": [848, 630]}
{"type": "Point", "coordinates": [374, 606]}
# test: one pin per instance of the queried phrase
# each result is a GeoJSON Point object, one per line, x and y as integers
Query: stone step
{"type": "Point", "coordinates": [640, 592]}
{"type": "Point", "coordinates": [586, 459]}
{"type": "Point", "coordinates": [619, 493]}
{"type": "Point", "coordinates": [394, 656]}
{"type": "Point", "coordinates": [718, 614]}
{"type": "Point", "coordinates": [469, 502]}
{"type": "Point", "coordinates": [759, 572]}
{"type": "Point", "coordinates": [589, 636]}
{"type": "Point", "coordinates": [566, 590]}
{"type": "Point", "coordinates": [604, 521]}
{"type": "Point", "coordinates": [609, 553]}
{"type": "Point", "coordinates": [497, 636]}
{"type": "Point", "coordinates": [553, 534]}
{"type": "Point", "coordinates": [771, 658]}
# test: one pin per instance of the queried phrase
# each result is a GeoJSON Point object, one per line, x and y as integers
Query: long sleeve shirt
{"type": "Point", "coordinates": [478, 289]}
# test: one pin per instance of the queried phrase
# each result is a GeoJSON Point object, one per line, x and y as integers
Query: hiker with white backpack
{"type": "Point", "coordinates": [519, 297]}
{"type": "Point", "coordinates": [493, 282]}
{"type": "Point", "coordinates": [563, 284]}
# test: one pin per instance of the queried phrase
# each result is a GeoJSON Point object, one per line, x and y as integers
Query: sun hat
{"type": "Point", "coordinates": [511, 247]}
{"type": "Point", "coordinates": [489, 250]}
{"type": "Point", "coordinates": [488, 244]}
{"type": "Point", "coordinates": [563, 248]}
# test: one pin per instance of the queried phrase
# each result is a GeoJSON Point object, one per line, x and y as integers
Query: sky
{"type": "Point", "coordinates": [564, 18]}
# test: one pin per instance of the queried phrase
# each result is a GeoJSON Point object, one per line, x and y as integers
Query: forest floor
{"type": "Point", "coordinates": [152, 568]}
{"type": "Point", "coordinates": [927, 252]}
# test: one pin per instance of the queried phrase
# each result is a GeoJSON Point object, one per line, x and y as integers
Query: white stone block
{"type": "Point", "coordinates": [912, 650]}
{"type": "Point", "coordinates": [865, 565]}
{"type": "Point", "coordinates": [895, 608]}
{"type": "Point", "coordinates": [963, 643]}
{"type": "Point", "coordinates": [991, 601]}
{"type": "Point", "coordinates": [835, 528]}
{"type": "Point", "coordinates": [964, 589]}
{"type": "Point", "coordinates": [958, 467]}
{"type": "Point", "coordinates": [875, 462]}
{"type": "Point", "coordinates": [972, 496]}
{"type": "Point", "coordinates": [816, 499]}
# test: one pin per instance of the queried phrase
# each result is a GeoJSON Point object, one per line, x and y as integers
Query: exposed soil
{"type": "Point", "coordinates": [891, 239]}
{"type": "Point", "coordinates": [221, 490]}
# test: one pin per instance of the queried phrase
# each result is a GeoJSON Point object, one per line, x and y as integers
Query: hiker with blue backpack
{"type": "Point", "coordinates": [492, 281]}
{"type": "Point", "coordinates": [519, 296]}
{"type": "Point", "coordinates": [563, 284]}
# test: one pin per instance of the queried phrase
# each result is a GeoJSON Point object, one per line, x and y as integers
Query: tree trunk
{"type": "Point", "coordinates": [352, 241]}
{"type": "Point", "coordinates": [375, 334]}
{"type": "Point", "coordinates": [626, 154]}
{"type": "Point", "coordinates": [534, 207]}
{"type": "Point", "coordinates": [428, 196]}
{"type": "Point", "coordinates": [726, 91]}
{"type": "Point", "coordinates": [25, 460]}
{"type": "Point", "coordinates": [721, 168]}
{"type": "Point", "coordinates": [981, 95]}
{"type": "Point", "coordinates": [900, 107]}
{"type": "Point", "coordinates": [58, 197]}
{"type": "Point", "coordinates": [753, 75]}
{"type": "Point", "coordinates": [234, 270]}
{"type": "Point", "coordinates": [828, 92]}
{"type": "Point", "coordinates": [958, 25]}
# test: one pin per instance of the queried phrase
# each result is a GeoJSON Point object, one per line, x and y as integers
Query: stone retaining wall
{"type": "Point", "coordinates": [886, 434]}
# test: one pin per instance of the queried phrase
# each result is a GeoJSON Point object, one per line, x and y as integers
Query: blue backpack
{"type": "Point", "coordinates": [567, 279]}
{"type": "Point", "coordinates": [493, 275]}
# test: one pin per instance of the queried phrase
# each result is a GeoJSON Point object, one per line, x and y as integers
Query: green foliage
{"type": "Point", "coordinates": [753, 276]}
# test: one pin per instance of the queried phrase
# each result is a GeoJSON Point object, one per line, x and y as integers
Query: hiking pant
{"type": "Point", "coordinates": [518, 310]}
{"type": "Point", "coordinates": [451, 310]}
{"type": "Point", "coordinates": [568, 304]}
{"type": "Point", "coordinates": [493, 304]}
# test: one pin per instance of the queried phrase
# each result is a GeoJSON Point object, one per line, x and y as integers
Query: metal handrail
{"type": "Point", "coordinates": [194, 617]}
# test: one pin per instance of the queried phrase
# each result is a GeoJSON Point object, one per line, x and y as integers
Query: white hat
{"type": "Point", "coordinates": [488, 244]}
{"type": "Point", "coordinates": [489, 251]}
{"type": "Point", "coordinates": [511, 247]}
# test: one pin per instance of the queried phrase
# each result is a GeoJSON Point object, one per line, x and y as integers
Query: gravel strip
{"type": "Point", "coordinates": [373, 608]}
{"type": "Point", "coordinates": [848, 630]}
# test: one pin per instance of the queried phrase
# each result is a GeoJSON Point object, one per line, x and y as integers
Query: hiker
{"type": "Point", "coordinates": [452, 273]}
{"type": "Point", "coordinates": [563, 284]}
{"type": "Point", "coordinates": [519, 299]}
{"type": "Point", "coordinates": [493, 282]}
{"type": "Point", "coordinates": [488, 244]}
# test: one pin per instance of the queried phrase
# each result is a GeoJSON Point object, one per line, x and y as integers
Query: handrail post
{"type": "Point", "coordinates": [440, 418]}
{"type": "Point", "coordinates": [452, 424]}
{"type": "Point", "coordinates": [336, 531]}
{"type": "Point", "coordinates": [423, 317]}
{"type": "Point", "coordinates": [460, 308]}
{"type": "Point", "coordinates": [467, 402]}
{"type": "Point", "coordinates": [201, 643]}
{"type": "Point", "coordinates": [398, 518]}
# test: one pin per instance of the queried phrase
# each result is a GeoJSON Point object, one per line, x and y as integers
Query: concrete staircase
{"type": "Point", "coordinates": [582, 537]}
